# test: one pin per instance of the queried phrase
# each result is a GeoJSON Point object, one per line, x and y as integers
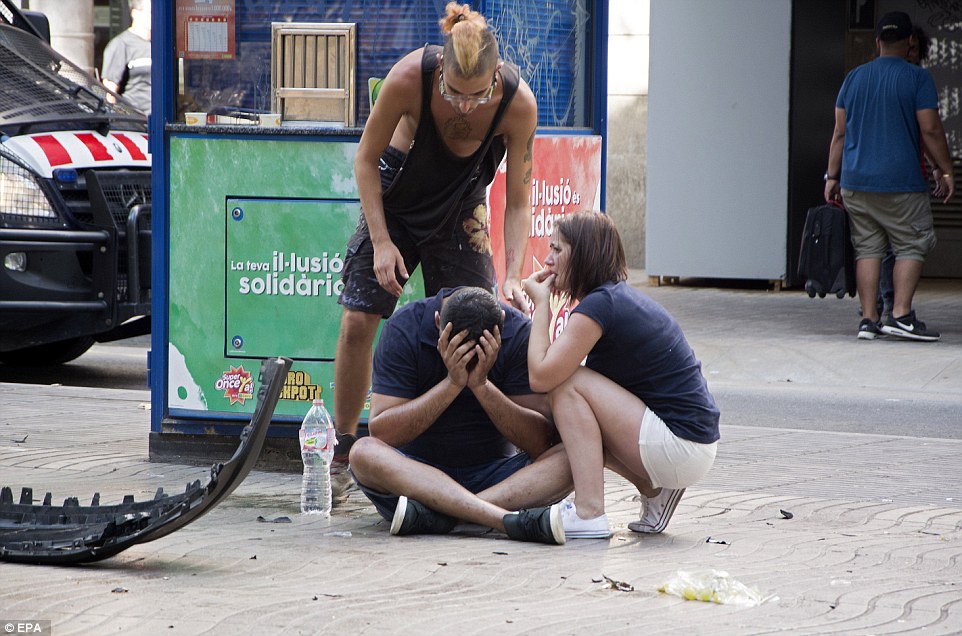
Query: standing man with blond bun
{"type": "Point", "coordinates": [886, 110]}
{"type": "Point", "coordinates": [126, 68]}
{"type": "Point", "coordinates": [444, 119]}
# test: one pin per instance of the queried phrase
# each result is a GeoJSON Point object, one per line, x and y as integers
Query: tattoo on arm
{"type": "Point", "coordinates": [528, 154]}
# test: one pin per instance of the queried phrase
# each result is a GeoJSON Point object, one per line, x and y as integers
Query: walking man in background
{"type": "Point", "coordinates": [127, 59]}
{"type": "Point", "coordinates": [882, 110]}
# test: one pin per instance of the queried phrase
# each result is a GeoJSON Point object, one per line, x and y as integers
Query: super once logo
{"type": "Point", "coordinates": [237, 385]}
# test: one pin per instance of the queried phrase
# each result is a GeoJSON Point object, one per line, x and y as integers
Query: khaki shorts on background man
{"type": "Point", "coordinates": [902, 219]}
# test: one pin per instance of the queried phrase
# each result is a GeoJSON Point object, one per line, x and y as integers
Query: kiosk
{"type": "Point", "coordinates": [257, 110]}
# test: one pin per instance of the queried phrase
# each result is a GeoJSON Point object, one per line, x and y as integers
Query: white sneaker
{"type": "Point", "coordinates": [578, 528]}
{"type": "Point", "coordinates": [656, 511]}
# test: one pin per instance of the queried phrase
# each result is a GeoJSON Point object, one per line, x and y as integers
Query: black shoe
{"type": "Point", "coordinates": [411, 517]}
{"type": "Point", "coordinates": [344, 443]}
{"type": "Point", "coordinates": [908, 326]}
{"type": "Point", "coordinates": [868, 330]}
{"type": "Point", "coordinates": [536, 524]}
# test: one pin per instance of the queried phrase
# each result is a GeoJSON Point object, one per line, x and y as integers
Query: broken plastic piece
{"type": "Point", "coordinates": [714, 586]}
{"type": "Point", "coordinates": [48, 535]}
{"type": "Point", "coordinates": [621, 586]}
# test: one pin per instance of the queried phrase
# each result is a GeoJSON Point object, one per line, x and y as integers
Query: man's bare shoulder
{"type": "Point", "coordinates": [402, 86]}
{"type": "Point", "coordinates": [521, 117]}
{"type": "Point", "coordinates": [407, 69]}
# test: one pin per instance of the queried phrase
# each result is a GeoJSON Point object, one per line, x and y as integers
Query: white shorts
{"type": "Point", "coordinates": [672, 462]}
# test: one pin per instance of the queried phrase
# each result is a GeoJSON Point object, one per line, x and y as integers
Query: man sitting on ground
{"type": "Point", "coordinates": [450, 407]}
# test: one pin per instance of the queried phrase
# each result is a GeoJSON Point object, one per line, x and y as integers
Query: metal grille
{"type": "Point", "coordinates": [117, 197]}
{"type": "Point", "coordinates": [122, 190]}
{"type": "Point", "coordinates": [23, 202]}
{"type": "Point", "coordinates": [312, 71]}
{"type": "Point", "coordinates": [950, 214]}
{"type": "Point", "coordinates": [36, 83]}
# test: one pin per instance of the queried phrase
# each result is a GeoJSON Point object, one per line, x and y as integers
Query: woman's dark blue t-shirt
{"type": "Point", "coordinates": [643, 349]}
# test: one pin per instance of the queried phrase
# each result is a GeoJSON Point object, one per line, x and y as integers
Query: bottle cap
{"type": "Point", "coordinates": [318, 402]}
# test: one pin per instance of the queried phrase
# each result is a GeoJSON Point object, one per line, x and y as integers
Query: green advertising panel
{"type": "Point", "coordinates": [258, 230]}
{"type": "Point", "coordinates": [283, 260]}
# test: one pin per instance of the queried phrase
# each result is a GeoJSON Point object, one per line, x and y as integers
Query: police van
{"type": "Point", "coordinates": [75, 203]}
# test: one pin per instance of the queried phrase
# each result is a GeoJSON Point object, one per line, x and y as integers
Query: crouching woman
{"type": "Point", "coordinates": [639, 405]}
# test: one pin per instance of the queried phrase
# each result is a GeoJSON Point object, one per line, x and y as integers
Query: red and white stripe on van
{"type": "Point", "coordinates": [46, 152]}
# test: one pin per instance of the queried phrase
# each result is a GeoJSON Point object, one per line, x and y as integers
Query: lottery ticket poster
{"type": "Point", "coordinates": [205, 29]}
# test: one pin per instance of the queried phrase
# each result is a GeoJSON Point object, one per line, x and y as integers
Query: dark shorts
{"type": "Point", "coordinates": [474, 478]}
{"type": "Point", "coordinates": [457, 254]}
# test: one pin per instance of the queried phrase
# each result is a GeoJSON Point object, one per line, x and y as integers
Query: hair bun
{"type": "Point", "coordinates": [457, 13]}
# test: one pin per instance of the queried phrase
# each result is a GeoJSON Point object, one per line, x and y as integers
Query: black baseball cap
{"type": "Point", "coordinates": [894, 26]}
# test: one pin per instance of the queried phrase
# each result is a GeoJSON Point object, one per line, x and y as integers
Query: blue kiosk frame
{"type": "Point", "coordinates": [189, 212]}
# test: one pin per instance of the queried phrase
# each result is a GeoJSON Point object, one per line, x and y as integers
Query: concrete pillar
{"type": "Point", "coordinates": [71, 28]}
{"type": "Point", "coordinates": [628, 29]}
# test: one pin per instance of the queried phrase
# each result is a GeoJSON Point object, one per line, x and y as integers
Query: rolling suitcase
{"type": "Point", "coordinates": [827, 259]}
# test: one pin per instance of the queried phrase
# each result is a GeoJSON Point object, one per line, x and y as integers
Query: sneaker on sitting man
{"type": "Point", "coordinates": [656, 511]}
{"type": "Point", "coordinates": [412, 517]}
{"type": "Point", "coordinates": [868, 329]}
{"type": "Point", "coordinates": [542, 525]}
{"type": "Point", "coordinates": [909, 327]}
{"type": "Point", "coordinates": [578, 528]}
{"type": "Point", "coordinates": [342, 483]}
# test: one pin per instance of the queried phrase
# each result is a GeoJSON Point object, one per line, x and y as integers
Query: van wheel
{"type": "Point", "coordinates": [48, 354]}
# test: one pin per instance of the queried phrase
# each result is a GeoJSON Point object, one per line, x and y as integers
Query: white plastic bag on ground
{"type": "Point", "coordinates": [716, 586]}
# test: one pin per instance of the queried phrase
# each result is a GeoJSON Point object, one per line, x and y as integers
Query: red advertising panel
{"type": "Point", "coordinates": [566, 178]}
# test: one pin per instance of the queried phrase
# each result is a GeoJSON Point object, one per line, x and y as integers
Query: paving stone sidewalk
{"type": "Point", "coordinates": [874, 545]}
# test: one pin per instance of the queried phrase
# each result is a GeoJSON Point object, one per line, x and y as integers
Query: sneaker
{"type": "Point", "coordinates": [342, 483]}
{"type": "Point", "coordinates": [536, 524]}
{"type": "Point", "coordinates": [411, 517]}
{"type": "Point", "coordinates": [909, 327]}
{"type": "Point", "coordinates": [578, 528]}
{"type": "Point", "coordinates": [868, 329]}
{"type": "Point", "coordinates": [656, 511]}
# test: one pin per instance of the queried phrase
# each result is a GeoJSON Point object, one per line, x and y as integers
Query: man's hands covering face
{"type": "Point", "coordinates": [468, 363]}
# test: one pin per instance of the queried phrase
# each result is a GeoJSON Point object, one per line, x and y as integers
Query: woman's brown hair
{"type": "Point", "coordinates": [470, 49]}
{"type": "Point", "coordinates": [597, 255]}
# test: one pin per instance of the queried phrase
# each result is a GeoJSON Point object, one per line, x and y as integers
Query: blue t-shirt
{"type": "Point", "coordinates": [407, 365]}
{"type": "Point", "coordinates": [643, 349]}
{"type": "Point", "coordinates": [881, 99]}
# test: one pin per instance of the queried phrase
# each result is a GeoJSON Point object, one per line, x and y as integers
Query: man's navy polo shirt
{"type": "Point", "coordinates": [407, 364]}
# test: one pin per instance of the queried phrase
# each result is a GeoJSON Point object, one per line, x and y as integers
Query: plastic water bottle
{"type": "Point", "coordinates": [317, 448]}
